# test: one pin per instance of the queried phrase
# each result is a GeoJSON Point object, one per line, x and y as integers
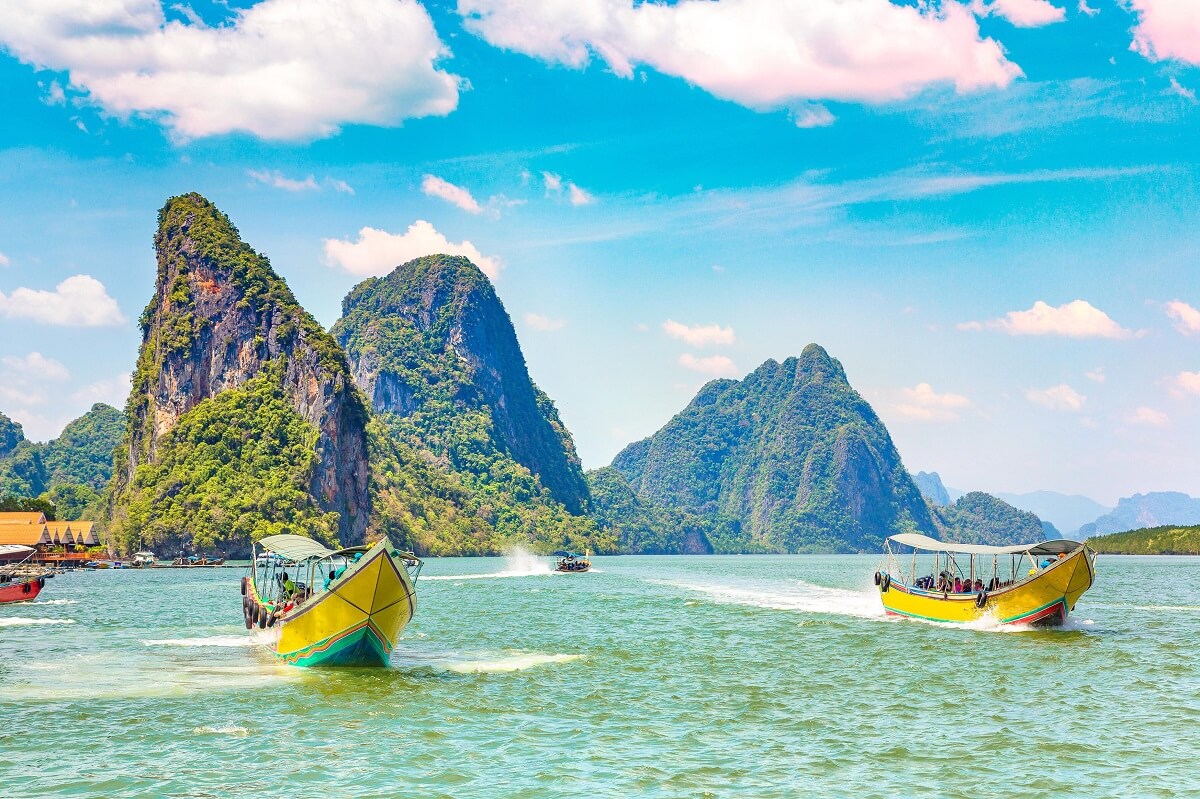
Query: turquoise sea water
{"type": "Point", "coordinates": [654, 676]}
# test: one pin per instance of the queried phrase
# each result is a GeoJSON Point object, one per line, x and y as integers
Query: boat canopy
{"type": "Point", "coordinates": [14, 549]}
{"type": "Point", "coordinates": [918, 541]}
{"type": "Point", "coordinates": [294, 547]}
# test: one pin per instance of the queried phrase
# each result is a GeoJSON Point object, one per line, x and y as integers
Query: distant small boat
{"type": "Point", "coordinates": [570, 562]}
{"type": "Point", "coordinates": [143, 560]}
{"type": "Point", "coordinates": [196, 561]}
{"type": "Point", "coordinates": [20, 580]}
{"type": "Point", "coordinates": [1036, 584]}
{"type": "Point", "coordinates": [344, 607]}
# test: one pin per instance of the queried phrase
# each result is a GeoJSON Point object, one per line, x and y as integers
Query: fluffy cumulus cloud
{"type": "Point", "coordinates": [1027, 13]}
{"type": "Point", "coordinates": [1057, 398]}
{"type": "Point", "coordinates": [1186, 383]}
{"type": "Point", "coordinates": [378, 252]}
{"type": "Point", "coordinates": [924, 404]}
{"type": "Point", "coordinates": [1078, 319]}
{"type": "Point", "coordinates": [759, 53]}
{"type": "Point", "coordinates": [1187, 318]}
{"type": "Point", "coordinates": [1167, 30]}
{"type": "Point", "coordinates": [713, 365]}
{"type": "Point", "coordinates": [27, 387]}
{"type": "Point", "coordinates": [32, 367]}
{"type": "Point", "coordinates": [433, 186]}
{"type": "Point", "coordinates": [78, 301]}
{"type": "Point", "coordinates": [1148, 416]}
{"type": "Point", "coordinates": [113, 391]}
{"type": "Point", "coordinates": [280, 69]}
{"type": "Point", "coordinates": [699, 335]}
{"type": "Point", "coordinates": [543, 324]}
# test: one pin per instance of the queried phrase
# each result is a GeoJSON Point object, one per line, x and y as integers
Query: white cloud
{"type": "Point", "coordinates": [715, 365]}
{"type": "Point", "coordinates": [699, 335]}
{"type": "Point", "coordinates": [4, 260]}
{"type": "Point", "coordinates": [434, 186]}
{"type": "Point", "coordinates": [279, 69]}
{"type": "Point", "coordinates": [340, 186]}
{"type": "Point", "coordinates": [1084, 8]}
{"type": "Point", "coordinates": [543, 324]}
{"type": "Point", "coordinates": [553, 182]}
{"type": "Point", "coordinates": [1167, 29]}
{"type": "Point", "coordinates": [377, 252]}
{"type": "Point", "coordinates": [1057, 398]}
{"type": "Point", "coordinates": [1187, 318]}
{"type": "Point", "coordinates": [813, 115]}
{"type": "Point", "coordinates": [1186, 383]}
{"type": "Point", "coordinates": [758, 53]}
{"type": "Point", "coordinates": [1148, 416]}
{"type": "Point", "coordinates": [1078, 319]}
{"type": "Point", "coordinates": [55, 94]}
{"type": "Point", "coordinates": [1027, 13]}
{"type": "Point", "coordinates": [1096, 375]}
{"type": "Point", "coordinates": [78, 301]}
{"type": "Point", "coordinates": [1179, 90]}
{"type": "Point", "coordinates": [924, 404]}
{"type": "Point", "coordinates": [34, 367]}
{"type": "Point", "coordinates": [113, 391]}
{"type": "Point", "coordinates": [277, 180]}
{"type": "Point", "coordinates": [579, 196]}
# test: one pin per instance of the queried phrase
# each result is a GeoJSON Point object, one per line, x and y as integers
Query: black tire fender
{"type": "Point", "coordinates": [41, 582]}
{"type": "Point", "coordinates": [885, 584]}
{"type": "Point", "coordinates": [981, 599]}
{"type": "Point", "coordinates": [25, 589]}
{"type": "Point", "coordinates": [878, 578]}
{"type": "Point", "coordinates": [262, 617]}
{"type": "Point", "coordinates": [245, 583]}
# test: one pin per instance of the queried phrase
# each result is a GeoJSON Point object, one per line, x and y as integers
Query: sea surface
{"type": "Point", "coordinates": [650, 676]}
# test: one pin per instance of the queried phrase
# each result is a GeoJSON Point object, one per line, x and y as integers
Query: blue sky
{"type": "Point", "coordinates": [988, 213]}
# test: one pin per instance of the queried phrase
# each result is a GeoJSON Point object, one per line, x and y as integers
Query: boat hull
{"type": "Point", "coordinates": [25, 591]}
{"type": "Point", "coordinates": [357, 622]}
{"type": "Point", "coordinates": [1046, 599]}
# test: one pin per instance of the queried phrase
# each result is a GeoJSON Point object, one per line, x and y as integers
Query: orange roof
{"type": "Point", "coordinates": [22, 517]}
{"type": "Point", "coordinates": [60, 532]}
{"type": "Point", "coordinates": [28, 534]}
{"type": "Point", "coordinates": [84, 534]}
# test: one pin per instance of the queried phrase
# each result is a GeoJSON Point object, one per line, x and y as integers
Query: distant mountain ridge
{"type": "Point", "coordinates": [931, 487]}
{"type": "Point", "coordinates": [1153, 509]}
{"type": "Point", "coordinates": [1068, 512]}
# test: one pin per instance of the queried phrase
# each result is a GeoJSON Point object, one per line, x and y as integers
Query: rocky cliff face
{"type": "Point", "coordinates": [432, 338]}
{"type": "Point", "coordinates": [789, 459]}
{"type": "Point", "coordinates": [221, 318]}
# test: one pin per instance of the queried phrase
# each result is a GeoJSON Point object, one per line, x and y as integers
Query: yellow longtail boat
{"type": "Point", "coordinates": [1036, 584]}
{"type": "Point", "coordinates": [325, 607]}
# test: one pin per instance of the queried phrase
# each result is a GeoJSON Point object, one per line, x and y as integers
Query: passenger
{"type": "Point", "coordinates": [958, 585]}
{"type": "Point", "coordinates": [978, 585]}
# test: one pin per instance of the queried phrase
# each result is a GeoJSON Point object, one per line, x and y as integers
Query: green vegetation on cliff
{"type": "Point", "coordinates": [1167, 540]}
{"type": "Point", "coordinates": [476, 457]}
{"type": "Point", "coordinates": [979, 518]}
{"type": "Point", "coordinates": [790, 459]}
{"type": "Point", "coordinates": [235, 467]}
{"type": "Point", "coordinates": [69, 471]}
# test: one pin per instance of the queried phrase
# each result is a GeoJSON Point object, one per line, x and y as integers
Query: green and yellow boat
{"type": "Point", "coordinates": [316, 606]}
{"type": "Point", "coordinates": [1031, 584]}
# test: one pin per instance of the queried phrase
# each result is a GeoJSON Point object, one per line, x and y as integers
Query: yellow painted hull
{"type": "Point", "coordinates": [358, 621]}
{"type": "Point", "coordinates": [1047, 598]}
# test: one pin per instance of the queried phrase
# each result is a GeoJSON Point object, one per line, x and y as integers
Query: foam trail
{"type": "Point", "coordinates": [20, 621]}
{"type": "Point", "coordinates": [231, 730]}
{"type": "Point", "coordinates": [56, 602]}
{"type": "Point", "coordinates": [213, 640]}
{"type": "Point", "coordinates": [480, 663]}
{"type": "Point", "coordinates": [797, 596]}
{"type": "Point", "coordinates": [518, 563]}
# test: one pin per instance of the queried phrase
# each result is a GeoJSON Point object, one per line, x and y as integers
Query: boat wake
{"type": "Point", "coordinates": [481, 663]}
{"type": "Point", "coordinates": [232, 730]}
{"type": "Point", "coordinates": [56, 602]}
{"type": "Point", "coordinates": [21, 621]}
{"type": "Point", "coordinates": [212, 640]}
{"type": "Point", "coordinates": [517, 563]}
{"type": "Point", "coordinates": [795, 595]}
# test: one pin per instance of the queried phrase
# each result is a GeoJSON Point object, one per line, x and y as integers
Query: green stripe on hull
{"type": "Point", "coordinates": [361, 646]}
